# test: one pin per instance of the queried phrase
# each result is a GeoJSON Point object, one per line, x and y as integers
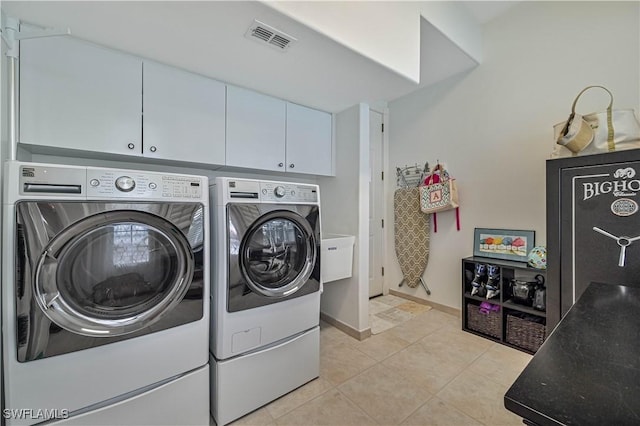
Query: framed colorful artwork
{"type": "Point", "coordinates": [507, 244]}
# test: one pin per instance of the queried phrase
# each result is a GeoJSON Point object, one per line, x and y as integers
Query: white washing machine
{"type": "Point", "coordinates": [265, 306]}
{"type": "Point", "coordinates": [105, 296]}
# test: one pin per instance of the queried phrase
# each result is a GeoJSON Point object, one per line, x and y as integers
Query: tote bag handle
{"type": "Point", "coordinates": [610, 132]}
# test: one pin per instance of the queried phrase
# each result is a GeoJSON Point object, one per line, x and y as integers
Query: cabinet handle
{"type": "Point", "coordinates": [280, 164]}
{"type": "Point", "coordinates": [131, 146]}
{"type": "Point", "coordinates": [291, 166]}
{"type": "Point", "coordinates": [153, 149]}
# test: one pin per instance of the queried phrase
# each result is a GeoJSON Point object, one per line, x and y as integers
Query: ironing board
{"type": "Point", "coordinates": [411, 236]}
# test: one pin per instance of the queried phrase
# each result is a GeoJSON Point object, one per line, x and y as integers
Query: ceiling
{"type": "Point", "coordinates": [207, 37]}
{"type": "Point", "coordinates": [484, 11]}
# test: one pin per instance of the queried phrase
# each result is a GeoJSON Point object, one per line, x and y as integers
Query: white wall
{"type": "Point", "coordinates": [492, 126]}
{"type": "Point", "coordinates": [453, 20]}
{"type": "Point", "coordinates": [345, 204]}
{"type": "Point", "coordinates": [388, 32]}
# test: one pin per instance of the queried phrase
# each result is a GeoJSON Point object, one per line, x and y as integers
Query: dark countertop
{"type": "Point", "coordinates": [587, 372]}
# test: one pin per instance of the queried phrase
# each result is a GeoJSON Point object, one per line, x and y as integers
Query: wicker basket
{"type": "Point", "coordinates": [488, 323]}
{"type": "Point", "coordinates": [525, 334]}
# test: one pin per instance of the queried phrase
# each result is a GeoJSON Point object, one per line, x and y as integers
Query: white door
{"type": "Point", "coordinates": [184, 115]}
{"type": "Point", "coordinates": [308, 140]}
{"type": "Point", "coordinates": [80, 96]}
{"type": "Point", "coordinates": [255, 130]}
{"type": "Point", "coordinates": [376, 205]}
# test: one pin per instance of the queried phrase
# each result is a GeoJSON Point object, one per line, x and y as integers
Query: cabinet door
{"type": "Point", "coordinates": [184, 115]}
{"type": "Point", "coordinates": [255, 130]}
{"type": "Point", "coordinates": [308, 140]}
{"type": "Point", "coordinates": [80, 96]}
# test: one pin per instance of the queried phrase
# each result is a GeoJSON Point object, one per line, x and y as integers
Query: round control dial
{"type": "Point", "coordinates": [125, 184]}
{"type": "Point", "coordinates": [279, 191]}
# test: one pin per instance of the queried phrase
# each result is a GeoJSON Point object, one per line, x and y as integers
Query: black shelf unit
{"type": "Point", "coordinates": [496, 328]}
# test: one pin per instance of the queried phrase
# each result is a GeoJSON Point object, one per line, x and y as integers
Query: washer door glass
{"type": "Point", "coordinates": [277, 254]}
{"type": "Point", "coordinates": [113, 273]}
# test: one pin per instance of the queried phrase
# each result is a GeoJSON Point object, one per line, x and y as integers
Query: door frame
{"type": "Point", "coordinates": [384, 111]}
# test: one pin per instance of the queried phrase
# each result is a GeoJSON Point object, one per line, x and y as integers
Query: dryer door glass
{"type": "Point", "coordinates": [113, 274]}
{"type": "Point", "coordinates": [278, 254]}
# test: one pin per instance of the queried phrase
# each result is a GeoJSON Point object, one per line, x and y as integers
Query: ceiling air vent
{"type": "Point", "coordinates": [263, 33]}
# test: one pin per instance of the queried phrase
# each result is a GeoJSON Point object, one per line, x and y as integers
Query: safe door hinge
{"type": "Point", "coordinates": [382, 271]}
{"type": "Point", "coordinates": [382, 127]}
{"type": "Point", "coordinates": [382, 223]}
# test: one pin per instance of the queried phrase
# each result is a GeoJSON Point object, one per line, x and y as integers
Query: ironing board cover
{"type": "Point", "coordinates": [412, 234]}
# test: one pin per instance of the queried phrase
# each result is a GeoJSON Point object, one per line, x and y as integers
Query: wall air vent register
{"type": "Point", "coordinates": [263, 33]}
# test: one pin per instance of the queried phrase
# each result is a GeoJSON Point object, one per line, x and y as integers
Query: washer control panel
{"type": "Point", "coordinates": [285, 192]}
{"type": "Point", "coordinates": [123, 183]}
{"type": "Point", "coordinates": [51, 181]}
{"type": "Point", "coordinates": [132, 184]}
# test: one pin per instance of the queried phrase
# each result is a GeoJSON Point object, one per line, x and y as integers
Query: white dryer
{"type": "Point", "coordinates": [105, 296]}
{"type": "Point", "coordinates": [265, 292]}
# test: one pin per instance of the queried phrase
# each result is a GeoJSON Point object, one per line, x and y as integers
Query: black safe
{"type": "Point", "coordinates": [593, 226]}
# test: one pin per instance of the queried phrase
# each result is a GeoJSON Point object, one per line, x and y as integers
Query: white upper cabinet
{"type": "Point", "coordinates": [80, 96]}
{"type": "Point", "coordinates": [184, 115]}
{"type": "Point", "coordinates": [270, 134]}
{"type": "Point", "coordinates": [255, 130]}
{"type": "Point", "coordinates": [308, 140]}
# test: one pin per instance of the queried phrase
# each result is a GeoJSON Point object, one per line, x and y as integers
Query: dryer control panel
{"type": "Point", "coordinates": [283, 192]}
{"type": "Point", "coordinates": [256, 191]}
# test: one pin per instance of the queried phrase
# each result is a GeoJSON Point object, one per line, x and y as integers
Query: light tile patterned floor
{"type": "Point", "coordinates": [423, 371]}
{"type": "Point", "coordinates": [386, 312]}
